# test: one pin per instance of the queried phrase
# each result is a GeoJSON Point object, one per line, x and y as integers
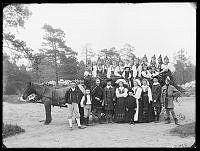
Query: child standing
{"type": "Point", "coordinates": [131, 106]}
{"type": "Point", "coordinates": [86, 102]}
{"type": "Point", "coordinates": [108, 101]}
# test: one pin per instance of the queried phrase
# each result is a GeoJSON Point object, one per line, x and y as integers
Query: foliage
{"type": "Point", "coordinates": [110, 55]}
{"type": "Point", "coordinates": [185, 70]}
{"type": "Point", "coordinates": [14, 77]}
{"type": "Point", "coordinates": [54, 47]}
{"type": "Point", "coordinates": [127, 52]}
{"type": "Point", "coordinates": [14, 15]}
{"type": "Point", "coordinates": [10, 130]}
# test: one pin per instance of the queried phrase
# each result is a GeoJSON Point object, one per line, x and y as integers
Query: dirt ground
{"type": "Point", "coordinates": [58, 135]}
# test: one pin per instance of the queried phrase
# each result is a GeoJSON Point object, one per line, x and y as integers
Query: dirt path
{"type": "Point", "coordinates": [57, 134]}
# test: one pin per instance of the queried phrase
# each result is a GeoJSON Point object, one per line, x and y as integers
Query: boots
{"type": "Point", "coordinates": [176, 121]}
{"type": "Point", "coordinates": [168, 121]}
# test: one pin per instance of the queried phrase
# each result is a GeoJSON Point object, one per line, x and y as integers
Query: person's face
{"type": "Point", "coordinates": [73, 85]}
{"type": "Point", "coordinates": [135, 83]}
{"type": "Point", "coordinates": [153, 68]}
{"type": "Point", "coordinates": [167, 82]}
{"type": "Point", "coordinates": [97, 82]}
{"type": "Point", "coordinates": [120, 84]}
{"type": "Point", "coordinates": [127, 69]}
{"type": "Point", "coordinates": [166, 61]}
{"type": "Point", "coordinates": [159, 60]}
{"type": "Point", "coordinates": [155, 80]}
{"type": "Point", "coordinates": [109, 83]}
{"type": "Point", "coordinates": [87, 91]}
{"type": "Point", "coordinates": [120, 63]}
{"type": "Point", "coordinates": [144, 82]}
{"type": "Point", "coordinates": [144, 68]}
{"type": "Point", "coordinates": [130, 93]}
{"type": "Point", "coordinates": [114, 63]}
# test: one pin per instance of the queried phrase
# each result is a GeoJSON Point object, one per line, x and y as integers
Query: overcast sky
{"type": "Point", "coordinates": [152, 28]}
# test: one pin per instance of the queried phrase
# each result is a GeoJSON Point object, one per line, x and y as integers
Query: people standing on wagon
{"type": "Point", "coordinates": [127, 75]}
{"type": "Point", "coordinates": [121, 94]}
{"type": "Point", "coordinates": [131, 107]}
{"type": "Point", "coordinates": [94, 70]}
{"type": "Point", "coordinates": [145, 74]}
{"type": "Point", "coordinates": [168, 94]}
{"type": "Point", "coordinates": [86, 103]}
{"type": "Point", "coordinates": [119, 69]}
{"type": "Point", "coordinates": [145, 61]}
{"type": "Point", "coordinates": [160, 62]}
{"type": "Point", "coordinates": [97, 99]}
{"type": "Point", "coordinates": [167, 70]}
{"type": "Point", "coordinates": [147, 114]}
{"type": "Point", "coordinates": [156, 96]}
{"type": "Point", "coordinates": [137, 94]}
{"type": "Point", "coordinates": [73, 99]}
{"type": "Point", "coordinates": [109, 100]}
{"type": "Point", "coordinates": [134, 68]}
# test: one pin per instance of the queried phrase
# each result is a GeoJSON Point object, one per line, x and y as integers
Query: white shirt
{"type": "Point", "coordinates": [135, 72]}
{"type": "Point", "coordinates": [88, 100]}
{"type": "Point", "coordinates": [118, 95]}
{"type": "Point", "coordinates": [144, 87]}
{"type": "Point", "coordinates": [117, 70]}
{"type": "Point", "coordinates": [168, 66]}
{"type": "Point", "coordinates": [73, 89]}
{"type": "Point", "coordinates": [146, 74]}
{"type": "Point", "coordinates": [137, 91]}
{"type": "Point", "coordinates": [94, 71]}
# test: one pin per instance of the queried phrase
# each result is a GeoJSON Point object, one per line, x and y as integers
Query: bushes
{"type": "Point", "coordinates": [10, 130]}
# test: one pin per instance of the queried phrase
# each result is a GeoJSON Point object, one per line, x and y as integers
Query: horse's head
{"type": "Point", "coordinates": [29, 89]}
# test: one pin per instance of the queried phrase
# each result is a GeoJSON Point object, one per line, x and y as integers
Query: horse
{"type": "Point", "coordinates": [48, 96]}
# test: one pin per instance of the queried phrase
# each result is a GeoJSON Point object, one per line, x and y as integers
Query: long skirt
{"type": "Point", "coordinates": [147, 114]}
{"type": "Point", "coordinates": [139, 111]}
{"type": "Point", "coordinates": [119, 115]}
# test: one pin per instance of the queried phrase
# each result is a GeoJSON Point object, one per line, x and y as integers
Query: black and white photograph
{"type": "Point", "coordinates": [99, 75]}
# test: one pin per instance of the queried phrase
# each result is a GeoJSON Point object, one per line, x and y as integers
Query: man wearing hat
{"type": "Point", "coordinates": [168, 94]}
{"type": "Point", "coordinates": [131, 106]}
{"type": "Point", "coordinates": [72, 97]}
{"type": "Point", "coordinates": [97, 99]}
{"type": "Point", "coordinates": [156, 96]}
{"type": "Point", "coordinates": [109, 100]}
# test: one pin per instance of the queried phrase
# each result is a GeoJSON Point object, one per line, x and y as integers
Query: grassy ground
{"type": "Point", "coordinates": [184, 130]}
{"type": "Point", "coordinates": [10, 130]}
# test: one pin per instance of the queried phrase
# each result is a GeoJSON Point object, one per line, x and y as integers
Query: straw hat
{"type": "Point", "coordinates": [121, 80]}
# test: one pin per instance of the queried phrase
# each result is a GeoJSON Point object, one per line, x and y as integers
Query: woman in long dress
{"type": "Point", "coordinates": [121, 94]}
{"type": "Point", "coordinates": [137, 94]}
{"type": "Point", "coordinates": [147, 114]}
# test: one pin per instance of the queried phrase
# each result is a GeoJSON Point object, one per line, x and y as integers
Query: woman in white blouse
{"type": "Point", "coordinates": [147, 114]}
{"type": "Point", "coordinates": [137, 94]}
{"type": "Point", "coordinates": [121, 94]}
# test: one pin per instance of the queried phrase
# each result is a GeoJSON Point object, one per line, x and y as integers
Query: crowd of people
{"type": "Point", "coordinates": [134, 92]}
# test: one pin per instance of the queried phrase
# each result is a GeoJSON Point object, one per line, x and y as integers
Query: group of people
{"type": "Point", "coordinates": [136, 97]}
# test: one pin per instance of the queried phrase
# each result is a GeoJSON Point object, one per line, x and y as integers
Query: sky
{"type": "Point", "coordinates": [152, 28]}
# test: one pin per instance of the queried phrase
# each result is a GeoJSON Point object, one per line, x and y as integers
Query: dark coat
{"type": "Point", "coordinates": [97, 91]}
{"type": "Point", "coordinates": [131, 102]}
{"type": "Point", "coordinates": [109, 97]}
{"type": "Point", "coordinates": [172, 93]}
{"type": "Point", "coordinates": [156, 95]}
{"type": "Point", "coordinates": [77, 95]}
